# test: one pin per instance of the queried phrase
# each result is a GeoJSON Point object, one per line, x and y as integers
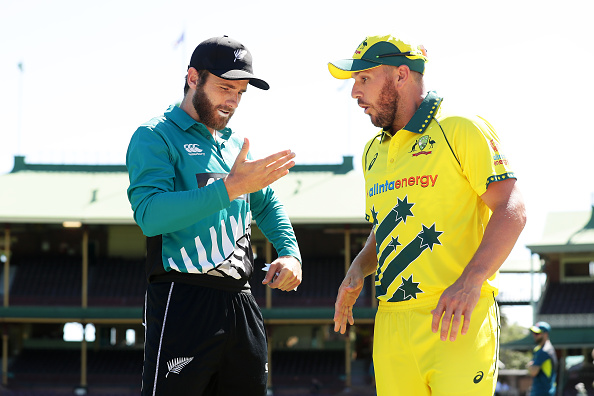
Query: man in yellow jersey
{"type": "Point", "coordinates": [445, 212]}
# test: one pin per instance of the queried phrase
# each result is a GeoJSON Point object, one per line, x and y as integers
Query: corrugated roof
{"type": "Point", "coordinates": [54, 197]}
{"type": "Point", "coordinates": [560, 338]}
{"type": "Point", "coordinates": [323, 197]}
{"type": "Point", "coordinates": [566, 232]}
{"type": "Point", "coordinates": [34, 195]}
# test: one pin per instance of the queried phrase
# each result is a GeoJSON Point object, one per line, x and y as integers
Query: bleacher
{"type": "Point", "coordinates": [115, 366]}
{"type": "Point", "coordinates": [120, 282]}
{"type": "Point", "coordinates": [568, 298]}
{"type": "Point", "coordinates": [46, 281]}
{"type": "Point", "coordinates": [117, 282]}
{"type": "Point", "coordinates": [316, 368]}
{"type": "Point", "coordinates": [324, 276]}
{"type": "Point", "coordinates": [56, 281]}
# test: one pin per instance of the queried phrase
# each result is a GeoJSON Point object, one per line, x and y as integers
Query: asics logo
{"type": "Point", "coordinates": [372, 161]}
{"type": "Point", "coordinates": [478, 377]}
{"type": "Point", "coordinates": [193, 149]}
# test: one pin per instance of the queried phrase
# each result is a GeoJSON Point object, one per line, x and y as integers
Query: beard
{"type": "Point", "coordinates": [386, 107]}
{"type": "Point", "coordinates": [208, 113]}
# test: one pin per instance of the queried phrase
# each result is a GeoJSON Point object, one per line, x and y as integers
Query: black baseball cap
{"type": "Point", "coordinates": [226, 58]}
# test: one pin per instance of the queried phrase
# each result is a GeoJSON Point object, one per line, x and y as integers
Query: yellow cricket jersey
{"type": "Point", "coordinates": [423, 197]}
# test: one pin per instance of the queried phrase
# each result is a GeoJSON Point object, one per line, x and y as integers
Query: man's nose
{"type": "Point", "coordinates": [356, 92]}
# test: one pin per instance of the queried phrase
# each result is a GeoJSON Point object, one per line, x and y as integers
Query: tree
{"type": "Point", "coordinates": [511, 358]}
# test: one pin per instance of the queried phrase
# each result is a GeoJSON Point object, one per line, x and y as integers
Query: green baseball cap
{"type": "Point", "coordinates": [375, 51]}
{"type": "Point", "coordinates": [540, 327]}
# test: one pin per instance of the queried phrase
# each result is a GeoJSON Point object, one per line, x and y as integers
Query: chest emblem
{"type": "Point", "coordinates": [424, 142]}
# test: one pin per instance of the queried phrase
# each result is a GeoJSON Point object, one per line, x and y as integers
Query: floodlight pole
{"type": "Point", "coordinates": [20, 109]}
{"type": "Point", "coordinates": [6, 263]}
{"type": "Point", "coordinates": [83, 358]}
{"type": "Point", "coordinates": [85, 286]}
{"type": "Point", "coordinates": [347, 350]}
{"type": "Point", "coordinates": [4, 355]}
{"type": "Point", "coordinates": [85, 266]}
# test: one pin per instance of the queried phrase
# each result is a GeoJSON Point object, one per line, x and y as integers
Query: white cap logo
{"type": "Point", "coordinates": [239, 54]}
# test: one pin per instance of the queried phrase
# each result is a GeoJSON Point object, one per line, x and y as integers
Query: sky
{"type": "Point", "coordinates": [77, 77]}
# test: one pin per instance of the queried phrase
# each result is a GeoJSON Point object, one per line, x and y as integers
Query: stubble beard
{"type": "Point", "coordinates": [386, 107]}
{"type": "Point", "coordinates": [208, 112]}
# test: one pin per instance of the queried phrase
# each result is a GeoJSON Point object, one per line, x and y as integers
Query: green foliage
{"type": "Point", "coordinates": [513, 359]}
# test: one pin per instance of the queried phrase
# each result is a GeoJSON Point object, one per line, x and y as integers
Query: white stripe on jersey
{"type": "Point", "coordinates": [216, 254]}
{"type": "Point", "coordinates": [202, 260]}
{"type": "Point", "coordinates": [173, 265]}
{"type": "Point", "coordinates": [228, 246]}
{"type": "Point", "coordinates": [188, 262]}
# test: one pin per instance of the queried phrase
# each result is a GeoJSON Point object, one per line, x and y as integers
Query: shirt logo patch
{"type": "Point", "coordinates": [176, 365]}
{"type": "Point", "coordinates": [193, 149]}
{"type": "Point", "coordinates": [421, 144]}
{"type": "Point", "coordinates": [361, 47]}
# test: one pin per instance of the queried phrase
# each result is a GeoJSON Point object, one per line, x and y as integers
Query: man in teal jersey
{"type": "Point", "coordinates": [543, 366]}
{"type": "Point", "coordinates": [194, 189]}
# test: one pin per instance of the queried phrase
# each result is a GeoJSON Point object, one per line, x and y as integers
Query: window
{"type": "Point", "coordinates": [578, 269]}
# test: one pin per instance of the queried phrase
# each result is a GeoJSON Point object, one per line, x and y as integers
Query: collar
{"type": "Point", "coordinates": [422, 117]}
{"type": "Point", "coordinates": [185, 122]}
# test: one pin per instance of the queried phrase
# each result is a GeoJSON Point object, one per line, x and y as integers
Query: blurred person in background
{"type": "Point", "coordinates": [543, 366]}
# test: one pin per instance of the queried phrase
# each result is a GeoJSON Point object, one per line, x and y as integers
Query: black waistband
{"type": "Point", "coordinates": [214, 282]}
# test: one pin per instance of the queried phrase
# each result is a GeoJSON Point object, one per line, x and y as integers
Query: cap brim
{"type": "Point", "coordinates": [536, 330]}
{"type": "Point", "coordinates": [241, 75]}
{"type": "Point", "coordinates": [344, 68]}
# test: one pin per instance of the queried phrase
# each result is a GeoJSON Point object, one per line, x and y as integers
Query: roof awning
{"type": "Point", "coordinates": [560, 338]}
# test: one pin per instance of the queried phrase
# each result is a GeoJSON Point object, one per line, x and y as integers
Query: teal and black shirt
{"type": "Point", "coordinates": [544, 384]}
{"type": "Point", "coordinates": [195, 234]}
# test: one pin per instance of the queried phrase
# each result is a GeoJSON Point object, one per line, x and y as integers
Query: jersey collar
{"type": "Point", "coordinates": [422, 117]}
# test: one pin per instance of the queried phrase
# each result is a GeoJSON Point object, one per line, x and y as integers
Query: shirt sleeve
{"type": "Point", "coordinates": [479, 151]}
{"type": "Point", "coordinates": [540, 357]}
{"type": "Point", "coordinates": [274, 222]}
{"type": "Point", "coordinates": [157, 207]}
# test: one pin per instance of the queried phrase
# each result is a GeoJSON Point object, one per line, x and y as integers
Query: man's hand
{"type": "Point", "coordinates": [533, 370]}
{"type": "Point", "coordinates": [250, 176]}
{"type": "Point", "coordinates": [456, 301]}
{"type": "Point", "coordinates": [284, 274]}
{"type": "Point", "coordinates": [364, 264]}
{"type": "Point", "coordinates": [502, 231]}
{"type": "Point", "coordinates": [348, 292]}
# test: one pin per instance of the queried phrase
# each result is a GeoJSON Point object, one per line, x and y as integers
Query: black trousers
{"type": "Point", "coordinates": [202, 342]}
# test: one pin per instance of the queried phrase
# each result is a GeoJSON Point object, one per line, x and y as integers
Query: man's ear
{"type": "Point", "coordinates": [401, 75]}
{"type": "Point", "coordinates": [192, 78]}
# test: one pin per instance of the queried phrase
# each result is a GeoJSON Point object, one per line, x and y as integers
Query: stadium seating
{"type": "Point", "coordinates": [57, 281]}
{"type": "Point", "coordinates": [47, 281]}
{"type": "Point", "coordinates": [568, 298]}
{"type": "Point", "coordinates": [323, 275]}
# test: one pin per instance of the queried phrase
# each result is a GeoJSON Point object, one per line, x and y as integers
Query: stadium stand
{"type": "Point", "coordinates": [94, 273]}
{"type": "Point", "coordinates": [46, 281]}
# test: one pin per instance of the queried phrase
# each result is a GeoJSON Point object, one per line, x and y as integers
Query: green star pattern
{"type": "Point", "coordinates": [410, 288]}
